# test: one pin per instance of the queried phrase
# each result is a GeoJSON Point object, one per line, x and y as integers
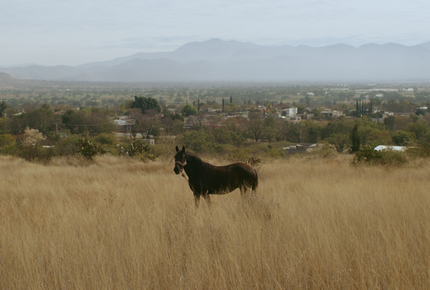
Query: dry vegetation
{"type": "Point", "coordinates": [120, 224]}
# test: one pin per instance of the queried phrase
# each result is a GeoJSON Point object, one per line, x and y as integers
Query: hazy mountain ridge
{"type": "Point", "coordinates": [217, 60]}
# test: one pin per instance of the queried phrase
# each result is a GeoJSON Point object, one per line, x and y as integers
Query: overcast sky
{"type": "Point", "coordinates": [53, 32]}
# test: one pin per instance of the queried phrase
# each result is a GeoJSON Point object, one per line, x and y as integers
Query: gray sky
{"type": "Point", "coordinates": [52, 32]}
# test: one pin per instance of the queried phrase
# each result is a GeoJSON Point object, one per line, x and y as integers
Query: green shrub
{"type": "Point", "coordinates": [137, 150]}
{"type": "Point", "coordinates": [88, 149]}
{"type": "Point", "coordinates": [200, 141]}
{"type": "Point", "coordinates": [389, 157]}
{"type": "Point", "coordinates": [106, 139]}
{"type": "Point", "coordinates": [36, 153]}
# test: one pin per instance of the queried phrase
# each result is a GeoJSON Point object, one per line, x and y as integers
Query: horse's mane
{"type": "Point", "coordinates": [195, 160]}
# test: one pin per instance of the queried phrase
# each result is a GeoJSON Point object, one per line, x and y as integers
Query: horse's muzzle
{"type": "Point", "coordinates": [177, 170]}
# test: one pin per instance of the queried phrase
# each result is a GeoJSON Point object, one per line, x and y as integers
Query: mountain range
{"type": "Point", "coordinates": [218, 60]}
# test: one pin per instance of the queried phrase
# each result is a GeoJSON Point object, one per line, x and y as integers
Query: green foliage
{"type": "Point", "coordinates": [146, 104]}
{"type": "Point", "coordinates": [419, 129]}
{"type": "Point", "coordinates": [401, 138]}
{"type": "Point", "coordinates": [3, 107]}
{"type": "Point", "coordinates": [188, 110]}
{"type": "Point", "coordinates": [68, 146]}
{"type": "Point", "coordinates": [340, 141]}
{"type": "Point", "coordinates": [355, 139]}
{"type": "Point", "coordinates": [137, 150]}
{"type": "Point", "coordinates": [226, 136]}
{"type": "Point", "coordinates": [41, 119]}
{"type": "Point", "coordinates": [6, 140]}
{"type": "Point", "coordinates": [424, 142]}
{"type": "Point", "coordinates": [256, 129]}
{"type": "Point", "coordinates": [200, 141]}
{"type": "Point", "coordinates": [88, 149]}
{"type": "Point", "coordinates": [106, 139]}
{"type": "Point", "coordinates": [175, 117]}
{"type": "Point", "coordinates": [36, 153]}
{"type": "Point", "coordinates": [310, 131]}
{"type": "Point", "coordinates": [88, 122]}
{"type": "Point", "coordinates": [420, 112]}
{"type": "Point", "coordinates": [370, 156]}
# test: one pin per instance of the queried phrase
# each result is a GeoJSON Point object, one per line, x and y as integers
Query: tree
{"type": "Point", "coordinates": [3, 107]}
{"type": "Point", "coordinates": [145, 104]}
{"type": "Point", "coordinates": [224, 135]}
{"type": "Point", "coordinates": [340, 141]}
{"type": "Point", "coordinates": [402, 137]}
{"type": "Point", "coordinates": [255, 126]}
{"type": "Point", "coordinates": [310, 131]}
{"type": "Point", "coordinates": [355, 139]}
{"type": "Point", "coordinates": [420, 129]}
{"type": "Point", "coordinates": [199, 141]}
{"type": "Point", "coordinates": [420, 112]}
{"type": "Point", "coordinates": [86, 122]}
{"type": "Point", "coordinates": [269, 128]}
{"type": "Point", "coordinates": [189, 110]}
{"type": "Point", "coordinates": [147, 125]}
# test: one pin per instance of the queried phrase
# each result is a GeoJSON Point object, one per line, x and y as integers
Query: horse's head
{"type": "Point", "coordinates": [180, 160]}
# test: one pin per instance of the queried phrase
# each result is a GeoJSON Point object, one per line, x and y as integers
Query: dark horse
{"type": "Point", "coordinates": [205, 178]}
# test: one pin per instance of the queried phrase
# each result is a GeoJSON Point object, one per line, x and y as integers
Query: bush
{"type": "Point", "coordinates": [67, 146]}
{"type": "Point", "coordinates": [88, 149]}
{"type": "Point", "coordinates": [106, 139]}
{"type": "Point", "coordinates": [137, 150]}
{"type": "Point", "coordinates": [370, 156]}
{"type": "Point", "coordinates": [200, 141]}
{"type": "Point", "coordinates": [36, 153]}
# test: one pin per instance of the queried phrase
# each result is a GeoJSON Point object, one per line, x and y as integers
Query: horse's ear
{"type": "Point", "coordinates": [177, 148]}
{"type": "Point", "coordinates": [183, 149]}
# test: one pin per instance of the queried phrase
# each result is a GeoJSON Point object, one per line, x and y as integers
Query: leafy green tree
{"type": "Point", "coordinates": [255, 127]}
{"type": "Point", "coordinates": [106, 139]}
{"type": "Point", "coordinates": [147, 125]}
{"type": "Point", "coordinates": [3, 107]}
{"type": "Point", "coordinates": [88, 122]}
{"type": "Point", "coordinates": [46, 106]}
{"type": "Point", "coordinates": [402, 137]}
{"type": "Point", "coordinates": [355, 139]}
{"type": "Point", "coordinates": [138, 150]}
{"type": "Point", "coordinates": [88, 149]}
{"type": "Point", "coordinates": [200, 141]}
{"type": "Point", "coordinates": [310, 131]}
{"type": "Point", "coordinates": [420, 112]}
{"type": "Point", "coordinates": [226, 136]}
{"type": "Point", "coordinates": [188, 110]}
{"type": "Point", "coordinates": [340, 141]}
{"type": "Point", "coordinates": [374, 137]}
{"type": "Point", "coordinates": [269, 128]}
{"type": "Point", "coordinates": [425, 144]}
{"type": "Point", "coordinates": [145, 104]}
{"type": "Point", "coordinates": [389, 123]}
{"type": "Point", "coordinates": [419, 129]}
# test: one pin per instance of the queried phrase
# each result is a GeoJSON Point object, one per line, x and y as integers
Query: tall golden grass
{"type": "Point", "coordinates": [121, 224]}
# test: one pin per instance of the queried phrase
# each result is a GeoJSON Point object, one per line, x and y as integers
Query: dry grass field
{"type": "Point", "coordinates": [121, 224]}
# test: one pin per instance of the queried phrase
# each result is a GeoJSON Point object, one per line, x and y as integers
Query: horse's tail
{"type": "Point", "coordinates": [255, 183]}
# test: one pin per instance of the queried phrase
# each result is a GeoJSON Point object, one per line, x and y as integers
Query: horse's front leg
{"type": "Point", "coordinates": [196, 199]}
{"type": "Point", "coordinates": [243, 191]}
{"type": "Point", "coordinates": [207, 198]}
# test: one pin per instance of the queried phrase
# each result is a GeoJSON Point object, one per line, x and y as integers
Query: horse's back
{"type": "Point", "coordinates": [245, 173]}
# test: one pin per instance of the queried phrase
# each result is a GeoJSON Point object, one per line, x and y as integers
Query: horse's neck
{"type": "Point", "coordinates": [194, 166]}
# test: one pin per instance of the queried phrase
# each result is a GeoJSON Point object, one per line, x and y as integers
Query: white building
{"type": "Point", "coordinates": [289, 112]}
